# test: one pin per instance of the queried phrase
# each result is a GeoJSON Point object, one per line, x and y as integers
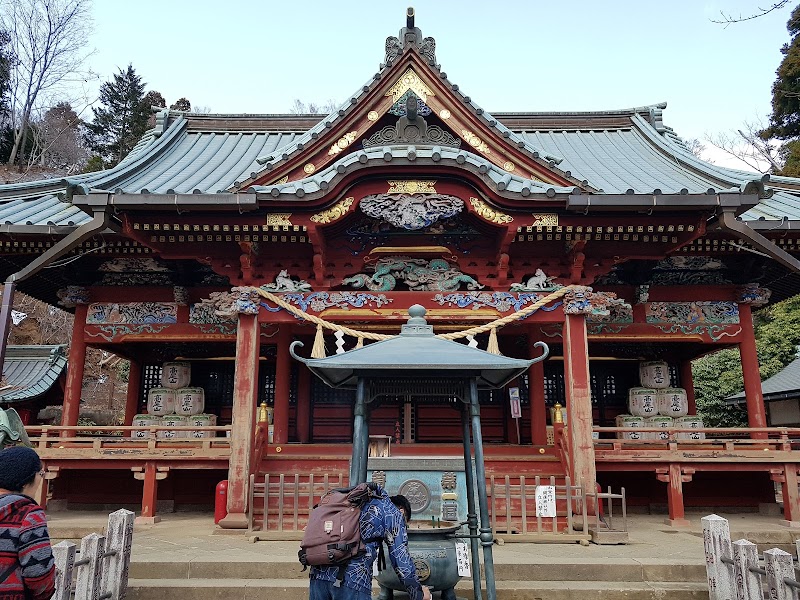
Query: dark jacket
{"type": "Point", "coordinates": [380, 520]}
{"type": "Point", "coordinates": [27, 570]}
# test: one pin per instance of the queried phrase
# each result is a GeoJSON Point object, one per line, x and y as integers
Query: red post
{"type": "Point", "coordinates": [151, 475]}
{"type": "Point", "coordinates": [303, 405]}
{"type": "Point", "coordinates": [75, 365]}
{"type": "Point", "coordinates": [756, 415]}
{"type": "Point", "coordinates": [675, 479]}
{"type": "Point", "coordinates": [245, 393]}
{"type": "Point", "coordinates": [579, 402]}
{"type": "Point", "coordinates": [134, 391]}
{"type": "Point", "coordinates": [283, 378]}
{"type": "Point", "coordinates": [687, 381]}
{"type": "Point", "coordinates": [791, 498]}
{"type": "Point", "coordinates": [536, 398]}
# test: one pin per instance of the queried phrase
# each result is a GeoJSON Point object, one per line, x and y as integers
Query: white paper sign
{"type": "Point", "coordinates": [546, 501]}
{"type": "Point", "coordinates": [516, 409]}
{"type": "Point", "coordinates": [462, 558]}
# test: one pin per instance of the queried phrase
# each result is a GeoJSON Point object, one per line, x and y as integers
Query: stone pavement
{"type": "Point", "coordinates": [182, 555]}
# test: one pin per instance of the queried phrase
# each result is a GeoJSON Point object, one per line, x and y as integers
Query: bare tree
{"type": "Point", "coordinates": [747, 144]}
{"type": "Point", "coordinates": [47, 38]}
{"type": "Point", "coordinates": [696, 147]}
{"type": "Point", "coordinates": [313, 108]}
{"type": "Point", "coordinates": [728, 19]}
{"type": "Point", "coordinates": [58, 143]}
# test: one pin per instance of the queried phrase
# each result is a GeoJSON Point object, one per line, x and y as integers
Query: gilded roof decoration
{"type": "Point", "coordinates": [335, 212]}
{"type": "Point", "coordinates": [474, 141]}
{"type": "Point", "coordinates": [483, 210]}
{"type": "Point", "coordinates": [509, 166]}
{"type": "Point", "coordinates": [545, 220]}
{"type": "Point", "coordinates": [410, 81]}
{"type": "Point", "coordinates": [309, 168]}
{"type": "Point", "coordinates": [412, 186]}
{"type": "Point", "coordinates": [342, 143]}
{"type": "Point", "coordinates": [444, 114]}
{"type": "Point", "coordinates": [282, 180]}
{"type": "Point", "coordinates": [373, 116]}
{"type": "Point", "coordinates": [279, 219]}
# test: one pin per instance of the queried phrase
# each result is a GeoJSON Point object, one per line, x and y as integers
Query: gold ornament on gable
{"type": "Point", "coordinates": [483, 210]}
{"type": "Point", "coordinates": [474, 141]}
{"type": "Point", "coordinates": [334, 213]}
{"type": "Point", "coordinates": [309, 168]}
{"type": "Point", "coordinates": [412, 186]}
{"type": "Point", "coordinates": [373, 116]}
{"type": "Point", "coordinates": [342, 143]}
{"type": "Point", "coordinates": [410, 81]}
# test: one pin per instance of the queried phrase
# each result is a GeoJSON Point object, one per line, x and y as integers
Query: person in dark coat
{"type": "Point", "coordinates": [27, 569]}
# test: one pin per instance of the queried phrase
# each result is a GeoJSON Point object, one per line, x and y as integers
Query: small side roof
{"type": "Point", "coordinates": [30, 371]}
{"type": "Point", "coordinates": [783, 384]}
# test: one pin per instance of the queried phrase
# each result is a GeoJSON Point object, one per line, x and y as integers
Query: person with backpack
{"type": "Point", "coordinates": [27, 569]}
{"type": "Point", "coordinates": [341, 544]}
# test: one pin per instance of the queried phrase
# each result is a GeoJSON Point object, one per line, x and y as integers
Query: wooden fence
{"type": "Point", "coordinates": [735, 571]}
{"type": "Point", "coordinates": [101, 569]}
{"type": "Point", "coordinates": [281, 502]}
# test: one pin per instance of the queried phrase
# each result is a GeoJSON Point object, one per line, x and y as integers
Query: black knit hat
{"type": "Point", "coordinates": [18, 466]}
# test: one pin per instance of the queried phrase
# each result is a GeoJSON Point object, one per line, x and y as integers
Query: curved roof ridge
{"type": "Point", "coordinates": [583, 113]}
{"type": "Point", "coordinates": [683, 156]}
{"type": "Point", "coordinates": [502, 180]}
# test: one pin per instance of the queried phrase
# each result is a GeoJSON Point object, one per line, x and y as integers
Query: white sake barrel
{"type": "Point", "coordinates": [161, 401]}
{"type": "Point", "coordinates": [660, 421]}
{"type": "Point", "coordinates": [694, 424]}
{"type": "Point", "coordinates": [203, 421]}
{"type": "Point", "coordinates": [672, 402]}
{"type": "Point", "coordinates": [654, 374]}
{"type": "Point", "coordinates": [190, 401]}
{"type": "Point", "coordinates": [629, 421]}
{"type": "Point", "coordinates": [174, 421]}
{"type": "Point", "coordinates": [643, 402]}
{"type": "Point", "coordinates": [176, 375]}
{"type": "Point", "coordinates": [144, 421]}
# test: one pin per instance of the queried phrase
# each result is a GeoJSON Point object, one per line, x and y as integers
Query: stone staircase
{"type": "Point", "coordinates": [531, 576]}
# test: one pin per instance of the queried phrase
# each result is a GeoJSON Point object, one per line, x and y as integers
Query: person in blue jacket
{"type": "Point", "coordinates": [380, 519]}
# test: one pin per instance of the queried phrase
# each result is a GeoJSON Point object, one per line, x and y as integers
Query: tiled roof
{"type": "Point", "coordinates": [615, 152]}
{"type": "Point", "coordinates": [29, 371]}
{"type": "Point", "coordinates": [783, 382]}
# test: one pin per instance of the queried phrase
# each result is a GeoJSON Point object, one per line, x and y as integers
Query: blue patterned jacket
{"type": "Point", "coordinates": [380, 519]}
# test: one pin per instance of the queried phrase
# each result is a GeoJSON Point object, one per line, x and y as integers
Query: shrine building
{"type": "Point", "coordinates": [221, 239]}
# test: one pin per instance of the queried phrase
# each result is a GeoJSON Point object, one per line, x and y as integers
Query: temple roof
{"type": "Point", "coordinates": [29, 371]}
{"type": "Point", "coordinates": [616, 152]}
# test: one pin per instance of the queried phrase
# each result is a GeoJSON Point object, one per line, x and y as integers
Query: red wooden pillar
{"type": "Point", "coordinates": [134, 392]}
{"type": "Point", "coordinates": [674, 477]}
{"type": "Point", "coordinates": [150, 475]}
{"type": "Point", "coordinates": [687, 381]}
{"type": "Point", "coordinates": [756, 415]}
{"type": "Point", "coordinates": [283, 377]}
{"type": "Point", "coordinates": [245, 394]}
{"type": "Point", "coordinates": [303, 405]}
{"type": "Point", "coordinates": [536, 399]}
{"type": "Point", "coordinates": [75, 366]}
{"type": "Point", "coordinates": [791, 497]}
{"type": "Point", "coordinates": [579, 402]}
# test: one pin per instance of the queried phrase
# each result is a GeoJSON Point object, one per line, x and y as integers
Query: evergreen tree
{"type": "Point", "coordinates": [154, 98]}
{"type": "Point", "coordinates": [122, 120]}
{"type": "Point", "coordinates": [785, 118]}
{"type": "Point", "coordinates": [182, 104]}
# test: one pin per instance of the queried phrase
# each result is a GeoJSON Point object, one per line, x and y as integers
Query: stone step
{"type": "Point", "coordinates": [295, 589]}
{"type": "Point", "coordinates": [620, 570]}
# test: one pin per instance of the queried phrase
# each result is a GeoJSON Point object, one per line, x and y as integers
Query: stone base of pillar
{"type": "Point", "coordinates": [678, 523]}
{"type": "Point", "coordinates": [234, 521]}
{"type": "Point", "coordinates": [147, 520]}
{"type": "Point", "coordinates": [789, 524]}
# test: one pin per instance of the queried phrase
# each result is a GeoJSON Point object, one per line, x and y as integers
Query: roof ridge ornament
{"type": "Point", "coordinates": [410, 36]}
{"type": "Point", "coordinates": [416, 325]}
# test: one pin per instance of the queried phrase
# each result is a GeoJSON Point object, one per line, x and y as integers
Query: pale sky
{"type": "Point", "coordinates": [245, 56]}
